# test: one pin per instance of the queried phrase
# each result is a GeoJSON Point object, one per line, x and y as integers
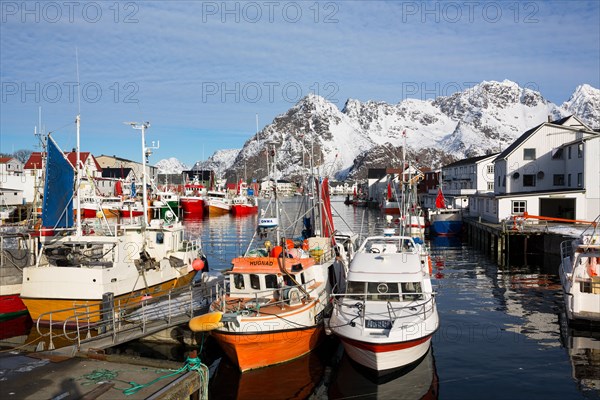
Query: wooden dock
{"type": "Point", "coordinates": [510, 241]}
{"type": "Point", "coordinates": [99, 376]}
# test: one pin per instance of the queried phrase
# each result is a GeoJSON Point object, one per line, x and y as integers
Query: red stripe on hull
{"type": "Point", "coordinates": [384, 347]}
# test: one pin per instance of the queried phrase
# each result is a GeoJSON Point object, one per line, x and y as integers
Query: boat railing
{"type": "Point", "coordinates": [423, 304]}
{"type": "Point", "coordinates": [253, 301]}
{"type": "Point", "coordinates": [113, 320]}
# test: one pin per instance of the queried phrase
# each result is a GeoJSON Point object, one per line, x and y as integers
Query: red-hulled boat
{"type": "Point", "coordinates": [192, 202]}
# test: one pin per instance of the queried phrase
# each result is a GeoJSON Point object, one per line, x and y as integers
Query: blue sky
{"type": "Point", "coordinates": [201, 71]}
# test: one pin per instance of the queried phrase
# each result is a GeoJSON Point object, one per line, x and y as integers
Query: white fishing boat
{"type": "Point", "coordinates": [217, 202]}
{"type": "Point", "coordinates": [82, 267]}
{"type": "Point", "coordinates": [580, 277]}
{"type": "Point", "coordinates": [278, 292]}
{"type": "Point", "coordinates": [388, 314]}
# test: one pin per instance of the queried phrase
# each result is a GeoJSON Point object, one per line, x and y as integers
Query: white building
{"type": "Point", "coordinates": [10, 166]}
{"type": "Point", "coordinates": [551, 170]}
{"type": "Point", "coordinates": [463, 179]}
{"type": "Point", "coordinates": [10, 197]}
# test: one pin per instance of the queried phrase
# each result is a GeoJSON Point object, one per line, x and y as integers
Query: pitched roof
{"type": "Point", "coordinates": [34, 161]}
{"type": "Point", "coordinates": [4, 160]}
{"type": "Point", "coordinates": [514, 145]}
{"type": "Point", "coordinates": [470, 160]}
{"type": "Point", "coordinates": [83, 156]}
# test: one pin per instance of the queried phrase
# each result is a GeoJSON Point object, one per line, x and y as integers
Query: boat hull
{"type": "Point", "coordinates": [64, 309]}
{"type": "Point", "coordinates": [11, 306]}
{"type": "Point", "coordinates": [217, 210]}
{"type": "Point", "coordinates": [386, 357]}
{"type": "Point", "coordinates": [262, 349]}
{"type": "Point", "coordinates": [447, 228]}
{"type": "Point", "coordinates": [192, 207]}
{"type": "Point", "coordinates": [446, 223]}
{"type": "Point", "coordinates": [238, 209]}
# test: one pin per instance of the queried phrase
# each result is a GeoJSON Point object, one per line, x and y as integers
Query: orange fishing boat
{"type": "Point", "coordinates": [277, 297]}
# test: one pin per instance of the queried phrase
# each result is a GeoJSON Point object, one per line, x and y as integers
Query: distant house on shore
{"type": "Point", "coordinates": [551, 170]}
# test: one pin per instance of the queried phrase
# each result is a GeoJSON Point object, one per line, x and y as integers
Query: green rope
{"type": "Point", "coordinates": [191, 364]}
{"type": "Point", "coordinates": [105, 375]}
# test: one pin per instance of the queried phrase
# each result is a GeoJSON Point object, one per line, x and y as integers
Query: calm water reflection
{"type": "Point", "coordinates": [500, 333]}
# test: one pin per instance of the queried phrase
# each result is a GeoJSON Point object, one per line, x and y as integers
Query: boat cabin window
{"type": "Point", "coordinates": [382, 291]}
{"type": "Point", "coordinates": [254, 281]}
{"type": "Point", "coordinates": [271, 281]}
{"type": "Point", "coordinates": [355, 290]}
{"type": "Point", "coordinates": [160, 237]}
{"type": "Point", "coordinates": [238, 281]}
{"type": "Point", "coordinates": [411, 291]}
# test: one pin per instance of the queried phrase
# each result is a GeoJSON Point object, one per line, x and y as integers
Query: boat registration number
{"type": "Point", "coordinates": [379, 324]}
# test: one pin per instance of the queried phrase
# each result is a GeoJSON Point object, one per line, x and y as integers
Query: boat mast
{"type": "Point", "coordinates": [142, 127]}
{"type": "Point", "coordinates": [78, 178]}
{"type": "Point", "coordinates": [77, 166]}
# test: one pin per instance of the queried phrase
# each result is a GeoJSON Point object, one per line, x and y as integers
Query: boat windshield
{"type": "Point", "coordinates": [384, 291]}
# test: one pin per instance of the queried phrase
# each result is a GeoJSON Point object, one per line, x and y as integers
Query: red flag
{"type": "Point", "coordinates": [118, 188]}
{"type": "Point", "coordinates": [326, 216]}
{"type": "Point", "coordinates": [389, 191]}
{"type": "Point", "coordinates": [440, 202]}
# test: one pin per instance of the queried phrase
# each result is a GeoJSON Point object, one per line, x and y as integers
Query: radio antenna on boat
{"type": "Point", "coordinates": [146, 151]}
{"type": "Point", "coordinates": [77, 167]}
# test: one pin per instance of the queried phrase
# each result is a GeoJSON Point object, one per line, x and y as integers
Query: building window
{"type": "Point", "coordinates": [504, 182]}
{"type": "Point", "coordinates": [579, 179]}
{"type": "Point", "coordinates": [490, 186]}
{"type": "Point", "coordinates": [569, 152]}
{"type": "Point", "coordinates": [580, 150]}
{"type": "Point", "coordinates": [528, 154]}
{"type": "Point", "coordinates": [559, 180]}
{"type": "Point", "coordinates": [569, 180]}
{"type": "Point", "coordinates": [490, 169]}
{"type": "Point", "coordinates": [528, 180]}
{"type": "Point", "coordinates": [519, 206]}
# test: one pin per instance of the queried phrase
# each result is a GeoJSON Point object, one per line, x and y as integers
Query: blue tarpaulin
{"type": "Point", "coordinates": [57, 207]}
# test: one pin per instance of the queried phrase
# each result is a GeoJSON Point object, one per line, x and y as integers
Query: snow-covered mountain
{"type": "Point", "coordinates": [219, 162]}
{"type": "Point", "coordinates": [585, 103]}
{"type": "Point", "coordinates": [345, 143]}
{"type": "Point", "coordinates": [170, 166]}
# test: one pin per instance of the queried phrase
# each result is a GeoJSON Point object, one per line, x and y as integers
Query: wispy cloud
{"type": "Point", "coordinates": [199, 71]}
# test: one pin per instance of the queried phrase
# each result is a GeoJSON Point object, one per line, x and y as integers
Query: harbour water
{"type": "Point", "coordinates": [502, 334]}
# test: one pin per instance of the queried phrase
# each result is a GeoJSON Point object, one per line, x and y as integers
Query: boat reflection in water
{"type": "Point", "coordinates": [583, 348]}
{"type": "Point", "coordinates": [445, 241]}
{"type": "Point", "coordinates": [417, 381]}
{"type": "Point", "coordinates": [296, 379]}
